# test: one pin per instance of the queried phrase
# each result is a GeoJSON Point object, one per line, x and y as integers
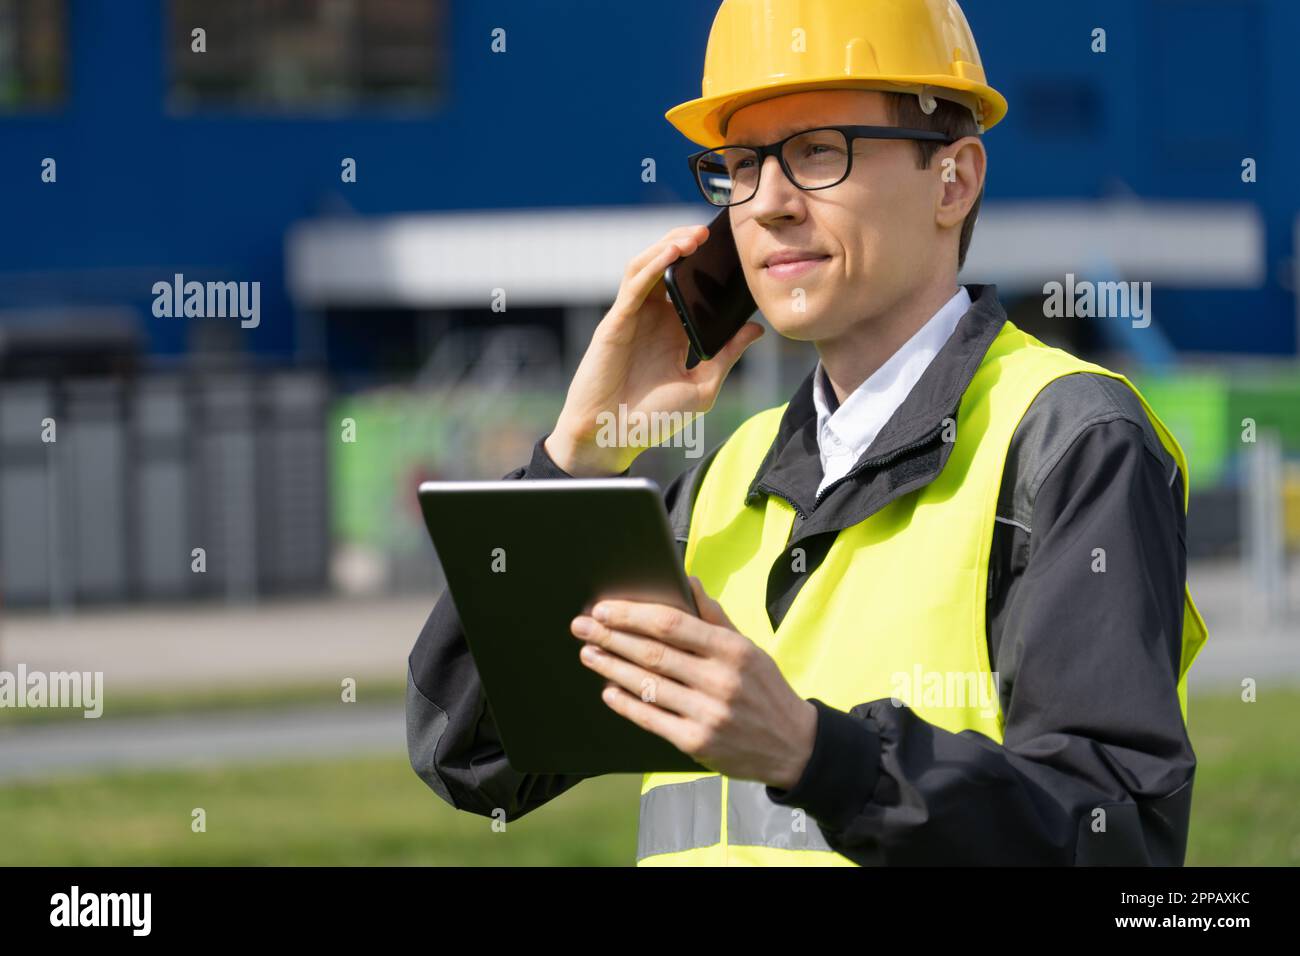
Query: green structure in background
{"type": "Point", "coordinates": [401, 437]}
{"type": "Point", "coordinates": [391, 440]}
{"type": "Point", "coordinates": [1206, 409]}
{"type": "Point", "coordinates": [1195, 408]}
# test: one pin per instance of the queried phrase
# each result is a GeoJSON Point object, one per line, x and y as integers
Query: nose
{"type": "Point", "coordinates": [777, 198]}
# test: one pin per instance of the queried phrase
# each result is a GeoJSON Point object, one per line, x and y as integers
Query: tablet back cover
{"type": "Point", "coordinates": [522, 559]}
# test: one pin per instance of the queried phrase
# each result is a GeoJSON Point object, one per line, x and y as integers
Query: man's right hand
{"type": "Point", "coordinates": [637, 358]}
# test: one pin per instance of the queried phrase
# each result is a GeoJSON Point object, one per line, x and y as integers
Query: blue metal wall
{"type": "Point", "coordinates": [1187, 89]}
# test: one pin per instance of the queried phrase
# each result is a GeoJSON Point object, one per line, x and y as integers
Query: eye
{"type": "Point", "coordinates": [814, 150]}
{"type": "Point", "coordinates": [736, 166]}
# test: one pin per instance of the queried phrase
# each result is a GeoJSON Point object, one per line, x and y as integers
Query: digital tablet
{"type": "Point", "coordinates": [522, 559]}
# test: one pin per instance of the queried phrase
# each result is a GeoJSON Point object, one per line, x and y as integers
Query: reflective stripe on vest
{"type": "Point", "coordinates": [685, 816]}
{"type": "Point", "coordinates": [896, 609]}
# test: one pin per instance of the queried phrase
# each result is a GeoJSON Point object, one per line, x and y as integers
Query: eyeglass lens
{"type": "Point", "coordinates": [816, 159]}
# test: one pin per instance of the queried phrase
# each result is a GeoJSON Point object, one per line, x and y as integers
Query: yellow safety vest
{"type": "Point", "coordinates": [895, 610]}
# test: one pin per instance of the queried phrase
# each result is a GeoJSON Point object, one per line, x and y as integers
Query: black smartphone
{"type": "Point", "coordinates": [709, 291]}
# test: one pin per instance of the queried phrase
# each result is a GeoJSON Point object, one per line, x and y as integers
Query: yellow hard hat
{"type": "Point", "coordinates": [759, 49]}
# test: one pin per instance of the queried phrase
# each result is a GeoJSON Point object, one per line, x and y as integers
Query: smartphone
{"type": "Point", "coordinates": [709, 291]}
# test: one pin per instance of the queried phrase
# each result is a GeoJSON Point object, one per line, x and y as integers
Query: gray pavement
{"type": "Point", "coordinates": [126, 743]}
{"type": "Point", "coordinates": [322, 640]}
{"type": "Point", "coordinates": [325, 640]}
{"type": "Point", "coordinates": [1241, 644]}
{"type": "Point", "coordinates": [213, 646]}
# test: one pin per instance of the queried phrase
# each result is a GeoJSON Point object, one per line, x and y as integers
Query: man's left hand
{"type": "Point", "coordinates": [701, 685]}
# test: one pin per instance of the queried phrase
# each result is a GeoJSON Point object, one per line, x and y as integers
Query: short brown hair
{"type": "Point", "coordinates": [951, 119]}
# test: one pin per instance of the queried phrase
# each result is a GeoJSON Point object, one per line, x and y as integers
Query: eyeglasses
{"type": "Point", "coordinates": [814, 159]}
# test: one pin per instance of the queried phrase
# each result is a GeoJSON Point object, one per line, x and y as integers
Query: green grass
{"type": "Point", "coordinates": [1246, 799]}
{"type": "Point", "coordinates": [371, 811]}
{"type": "Point", "coordinates": [1246, 810]}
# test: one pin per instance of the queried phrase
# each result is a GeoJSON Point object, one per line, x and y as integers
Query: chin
{"type": "Point", "coordinates": [799, 326]}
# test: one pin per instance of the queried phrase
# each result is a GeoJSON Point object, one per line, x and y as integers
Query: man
{"type": "Point", "coordinates": [943, 614]}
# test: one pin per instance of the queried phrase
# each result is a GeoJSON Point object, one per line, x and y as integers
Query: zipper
{"type": "Point", "coordinates": [876, 462]}
{"type": "Point", "coordinates": [855, 471]}
{"type": "Point", "coordinates": [764, 487]}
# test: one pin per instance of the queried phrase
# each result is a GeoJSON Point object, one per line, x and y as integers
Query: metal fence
{"type": "Point", "coordinates": [163, 487]}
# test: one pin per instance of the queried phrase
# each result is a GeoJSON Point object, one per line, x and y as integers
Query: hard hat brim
{"type": "Point", "coordinates": [700, 120]}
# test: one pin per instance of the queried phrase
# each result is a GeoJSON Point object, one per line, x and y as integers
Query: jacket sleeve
{"type": "Point", "coordinates": [1095, 766]}
{"type": "Point", "coordinates": [452, 741]}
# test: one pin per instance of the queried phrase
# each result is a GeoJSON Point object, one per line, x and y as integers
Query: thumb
{"type": "Point", "coordinates": [711, 611]}
{"type": "Point", "coordinates": [721, 364]}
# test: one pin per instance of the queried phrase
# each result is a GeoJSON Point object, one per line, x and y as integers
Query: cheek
{"type": "Point", "coordinates": [892, 226]}
{"type": "Point", "coordinates": [867, 242]}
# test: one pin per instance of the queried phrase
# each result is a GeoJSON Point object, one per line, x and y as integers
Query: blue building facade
{"type": "Point", "coordinates": [1186, 91]}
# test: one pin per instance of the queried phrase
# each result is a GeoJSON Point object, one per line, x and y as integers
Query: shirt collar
{"type": "Point", "coordinates": [790, 467]}
{"type": "Point", "coordinates": [855, 423]}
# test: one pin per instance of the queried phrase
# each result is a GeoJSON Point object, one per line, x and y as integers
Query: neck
{"type": "Point", "coordinates": [850, 359]}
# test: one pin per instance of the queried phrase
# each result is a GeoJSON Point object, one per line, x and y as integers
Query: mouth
{"type": "Point", "coordinates": [792, 265]}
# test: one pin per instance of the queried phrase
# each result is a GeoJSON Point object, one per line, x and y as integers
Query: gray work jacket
{"type": "Point", "coordinates": [1087, 663]}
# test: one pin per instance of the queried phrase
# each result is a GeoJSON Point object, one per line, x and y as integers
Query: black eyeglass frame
{"type": "Point", "coordinates": [850, 133]}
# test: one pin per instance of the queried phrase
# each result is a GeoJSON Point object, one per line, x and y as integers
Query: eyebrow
{"type": "Point", "coordinates": [784, 132]}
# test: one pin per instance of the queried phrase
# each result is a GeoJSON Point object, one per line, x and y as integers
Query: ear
{"type": "Point", "coordinates": [960, 168]}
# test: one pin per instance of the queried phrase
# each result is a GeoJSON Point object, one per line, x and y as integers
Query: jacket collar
{"type": "Point", "coordinates": [792, 466]}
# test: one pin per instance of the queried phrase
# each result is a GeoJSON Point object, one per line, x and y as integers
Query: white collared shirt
{"type": "Point", "coordinates": [843, 435]}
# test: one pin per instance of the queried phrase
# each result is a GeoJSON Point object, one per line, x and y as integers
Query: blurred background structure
{"type": "Point", "coordinates": [390, 180]}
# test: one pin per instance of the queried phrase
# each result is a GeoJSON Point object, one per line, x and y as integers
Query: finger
{"type": "Point", "coordinates": [646, 685]}
{"type": "Point", "coordinates": [637, 262]}
{"type": "Point", "coordinates": [645, 272]}
{"type": "Point", "coordinates": [715, 371]}
{"type": "Point", "coordinates": [659, 293]}
{"type": "Point", "coordinates": [655, 656]}
{"type": "Point", "coordinates": [683, 237]}
{"type": "Point", "coordinates": [672, 625]}
{"type": "Point", "coordinates": [659, 657]}
{"type": "Point", "coordinates": [711, 612]}
{"type": "Point", "coordinates": [639, 286]}
{"type": "Point", "coordinates": [636, 289]}
{"type": "Point", "coordinates": [676, 730]}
